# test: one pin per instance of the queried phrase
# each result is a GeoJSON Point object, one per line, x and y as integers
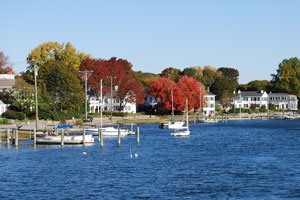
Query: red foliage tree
{"type": "Point", "coordinates": [4, 68]}
{"type": "Point", "coordinates": [162, 89]}
{"type": "Point", "coordinates": [130, 91]}
{"type": "Point", "coordinates": [190, 88]}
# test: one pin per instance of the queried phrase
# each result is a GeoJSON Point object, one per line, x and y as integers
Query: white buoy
{"type": "Point", "coordinates": [136, 155]}
{"type": "Point", "coordinates": [130, 154]}
{"type": "Point", "coordinates": [84, 153]}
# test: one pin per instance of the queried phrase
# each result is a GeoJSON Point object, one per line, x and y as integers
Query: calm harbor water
{"type": "Point", "coordinates": [253, 159]}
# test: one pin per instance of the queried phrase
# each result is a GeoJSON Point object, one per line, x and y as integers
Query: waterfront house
{"type": "Point", "coordinates": [244, 99]}
{"type": "Point", "coordinates": [209, 103]}
{"type": "Point", "coordinates": [283, 101]}
{"type": "Point", "coordinates": [7, 81]}
{"type": "Point", "coordinates": [3, 107]}
{"type": "Point", "coordinates": [108, 103]}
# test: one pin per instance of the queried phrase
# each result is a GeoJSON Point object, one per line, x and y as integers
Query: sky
{"type": "Point", "coordinates": [252, 36]}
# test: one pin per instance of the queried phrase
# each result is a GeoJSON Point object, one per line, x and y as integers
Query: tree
{"type": "Point", "coordinates": [162, 89]}
{"type": "Point", "coordinates": [258, 85]}
{"type": "Point", "coordinates": [130, 91]}
{"type": "Point", "coordinates": [287, 78]}
{"type": "Point", "coordinates": [171, 73]}
{"type": "Point", "coordinates": [190, 88]}
{"type": "Point", "coordinates": [5, 67]}
{"type": "Point", "coordinates": [54, 51]}
{"type": "Point", "coordinates": [23, 96]}
{"type": "Point", "coordinates": [231, 75]}
{"type": "Point", "coordinates": [209, 76]}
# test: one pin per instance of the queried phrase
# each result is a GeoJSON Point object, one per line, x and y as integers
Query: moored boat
{"type": "Point", "coordinates": [68, 139]}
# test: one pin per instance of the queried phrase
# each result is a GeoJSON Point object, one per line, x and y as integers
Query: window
{"type": "Point", "coordinates": [212, 105]}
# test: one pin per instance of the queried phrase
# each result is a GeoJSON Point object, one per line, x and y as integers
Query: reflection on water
{"type": "Point", "coordinates": [255, 159]}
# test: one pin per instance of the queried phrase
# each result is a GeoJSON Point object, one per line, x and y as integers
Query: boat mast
{"type": "Point", "coordinates": [101, 102]}
{"type": "Point", "coordinates": [172, 105]}
{"type": "Point", "coordinates": [187, 113]}
{"type": "Point", "coordinates": [200, 113]}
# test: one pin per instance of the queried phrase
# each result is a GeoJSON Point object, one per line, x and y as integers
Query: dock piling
{"type": "Point", "coordinates": [138, 135]}
{"type": "Point", "coordinates": [119, 137]}
{"type": "Point", "coordinates": [83, 139]}
{"type": "Point", "coordinates": [7, 136]}
{"type": "Point", "coordinates": [16, 137]}
{"type": "Point", "coordinates": [131, 127]}
{"type": "Point", "coordinates": [101, 139]}
{"type": "Point", "coordinates": [0, 137]}
{"type": "Point", "coordinates": [62, 138]}
{"type": "Point", "coordinates": [34, 136]}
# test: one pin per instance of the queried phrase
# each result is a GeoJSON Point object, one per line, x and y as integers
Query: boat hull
{"type": "Point", "coordinates": [109, 132]}
{"type": "Point", "coordinates": [68, 139]}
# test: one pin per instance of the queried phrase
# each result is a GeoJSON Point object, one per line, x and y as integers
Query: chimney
{"type": "Point", "coordinates": [207, 89]}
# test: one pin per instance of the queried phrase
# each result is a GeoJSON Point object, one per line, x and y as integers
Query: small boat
{"type": "Point", "coordinates": [186, 132]}
{"type": "Point", "coordinates": [68, 139]}
{"type": "Point", "coordinates": [206, 120]}
{"type": "Point", "coordinates": [172, 124]}
{"type": "Point", "coordinates": [289, 117]}
{"type": "Point", "coordinates": [108, 131]}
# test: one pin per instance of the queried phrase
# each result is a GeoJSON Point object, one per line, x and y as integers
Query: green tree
{"type": "Point", "coordinates": [287, 78]}
{"type": "Point", "coordinates": [258, 85]}
{"type": "Point", "coordinates": [209, 75]}
{"type": "Point", "coordinates": [171, 73]}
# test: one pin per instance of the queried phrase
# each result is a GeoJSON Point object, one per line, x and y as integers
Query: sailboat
{"type": "Point", "coordinates": [173, 124]}
{"type": "Point", "coordinates": [186, 132]}
{"type": "Point", "coordinates": [106, 131]}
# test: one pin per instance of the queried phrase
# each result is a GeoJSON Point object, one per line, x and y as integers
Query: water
{"type": "Point", "coordinates": [254, 159]}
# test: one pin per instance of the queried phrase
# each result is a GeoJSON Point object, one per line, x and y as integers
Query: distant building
{"type": "Point", "coordinates": [244, 99]}
{"type": "Point", "coordinates": [150, 100]}
{"type": "Point", "coordinates": [283, 101]}
{"type": "Point", "coordinates": [95, 106]}
{"type": "Point", "coordinates": [3, 107]}
{"type": "Point", "coordinates": [7, 81]}
{"type": "Point", "coordinates": [210, 102]}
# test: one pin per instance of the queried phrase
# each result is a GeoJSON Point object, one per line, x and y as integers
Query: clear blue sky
{"type": "Point", "coordinates": [252, 36]}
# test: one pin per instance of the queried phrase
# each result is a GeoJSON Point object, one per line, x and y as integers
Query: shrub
{"type": "Point", "coordinates": [10, 115]}
{"type": "Point", "coordinates": [62, 122]}
{"type": "Point", "coordinates": [78, 122]}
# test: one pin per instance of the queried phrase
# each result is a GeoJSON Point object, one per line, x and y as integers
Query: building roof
{"type": "Point", "coordinates": [279, 94]}
{"type": "Point", "coordinates": [7, 83]}
{"type": "Point", "coordinates": [210, 93]}
{"type": "Point", "coordinates": [251, 94]}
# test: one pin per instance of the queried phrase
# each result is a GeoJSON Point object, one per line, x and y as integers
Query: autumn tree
{"type": "Point", "coordinates": [287, 78]}
{"type": "Point", "coordinates": [162, 89]}
{"type": "Point", "coordinates": [54, 51]}
{"type": "Point", "coordinates": [130, 91]}
{"type": "Point", "coordinates": [171, 73]}
{"type": "Point", "coordinates": [209, 75]}
{"type": "Point", "coordinates": [5, 67]}
{"type": "Point", "coordinates": [190, 88]}
{"type": "Point", "coordinates": [231, 74]}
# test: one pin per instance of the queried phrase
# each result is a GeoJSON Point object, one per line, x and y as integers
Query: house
{"type": "Point", "coordinates": [3, 107]}
{"type": "Point", "coordinates": [150, 100]}
{"type": "Point", "coordinates": [246, 99]}
{"type": "Point", "coordinates": [7, 81]}
{"type": "Point", "coordinates": [283, 101]}
{"type": "Point", "coordinates": [95, 104]}
{"type": "Point", "coordinates": [209, 105]}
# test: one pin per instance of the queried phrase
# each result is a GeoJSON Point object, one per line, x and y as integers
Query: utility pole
{"type": "Point", "coordinates": [85, 77]}
{"type": "Point", "coordinates": [101, 101]}
{"type": "Point", "coordinates": [36, 99]}
{"type": "Point", "coordinates": [200, 102]}
{"type": "Point", "coordinates": [172, 105]}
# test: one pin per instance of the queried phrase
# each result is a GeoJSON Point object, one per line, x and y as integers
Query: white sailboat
{"type": "Point", "coordinates": [68, 139]}
{"type": "Point", "coordinates": [173, 124]}
{"type": "Point", "coordinates": [186, 132]}
{"type": "Point", "coordinates": [106, 131]}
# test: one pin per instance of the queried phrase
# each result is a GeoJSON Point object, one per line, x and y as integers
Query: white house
{"type": "Point", "coordinates": [284, 101]}
{"type": "Point", "coordinates": [150, 100]}
{"type": "Point", "coordinates": [7, 81]}
{"type": "Point", "coordinates": [95, 104]}
{"type": "Point", "coordinates": [3, 107]}
{"type": "Point", "coordinates": [244, 99]}
{"type": "Point", "coordinates": [209, 105]}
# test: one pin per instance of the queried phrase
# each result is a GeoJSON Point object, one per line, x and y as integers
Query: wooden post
{"type": "Point", "coordinates": [34, 136]}
{"type": "Point", "coordinates": [131, 127]}
{"type": "Point", "coordinates": [7, 136]}
{"type": "Point", "coordinates": [0, 137]}
{"type": "Point", "coordinates": [138, 135]}
{"type": "Point", "coordinates": [99, 134]}
{"type": "Point", "coordinates": [62, 138]}
{"type": "Point", "coordinates": [119, 137]}
{"type": "Point", "coordinates": [17, 138]}
{"type": "Point", "coordinates": [83, 137]}
{"type": "Point", "coordinates": [101, 138]}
